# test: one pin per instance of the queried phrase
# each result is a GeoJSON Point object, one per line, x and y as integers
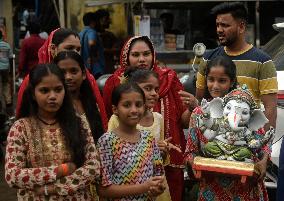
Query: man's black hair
{"type": "Point", "coordinates": [34, 26]}
{"type": "Point", "coordinates": [101, 13]}
{"type": "Point", "coordinates": [237, 9]}
{"type": "Point", "coordinates": [88, 18]}
{"type": "Point", "coordinates": [1, 34]}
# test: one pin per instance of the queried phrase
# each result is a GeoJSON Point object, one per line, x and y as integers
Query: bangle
{"type": "Point", "coordinates": [64, 169]}
{"type": "Point", "coordinates": [46, 190]}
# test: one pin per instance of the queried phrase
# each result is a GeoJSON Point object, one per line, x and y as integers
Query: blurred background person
{"type": "Point", "coordinates": [92, 48]}
{"type": "Point", "coordinates": [111, 44]}
{"type": "Point", "coordinates": [6, 56]}
{"type": "Point", "coordinates": [29, 50]}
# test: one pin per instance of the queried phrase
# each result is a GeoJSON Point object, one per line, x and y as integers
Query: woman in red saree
{"type": "Point", "coordinates": [138, 52]}
{"type": "Point", "coordinates": [62, 39]}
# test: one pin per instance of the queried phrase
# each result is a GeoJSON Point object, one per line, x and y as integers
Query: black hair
{"type": "Point", "coordinates": [34, 26]}
{"type": "Point", "coordinates": [125, 88]}
{"type": "Point", "coordinates": [69, 123]}
{"type": "Point", "coordinates": [237, 9]}
{"type": "Point", "coordinates": [1, 34]}
{"type": "Point", "coordinates": [167, 16]}
{"type": "Point", "coordinates": [144, 39]}
{"type": "Point", "coordinates": [61, 34]}
{"type": "Point", "coordinates": [88, 18]}
{"type": "Point", "coordinates": [139, 75]}
{"type": "Point", "coordinates": [101, 13]}
{"type": "Point", "coordinates": [87, 96]}
{"type": "Point", "coordinates": [229, 68]}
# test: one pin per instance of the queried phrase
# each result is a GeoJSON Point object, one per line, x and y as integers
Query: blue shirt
{"type": "Point", "coordinates": [5, 55]}
{"type": "Point", "coordinates": [90, 34]}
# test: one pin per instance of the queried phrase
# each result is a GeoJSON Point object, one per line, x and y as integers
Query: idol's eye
{"type": "Point", "coordinates": [245, 112]}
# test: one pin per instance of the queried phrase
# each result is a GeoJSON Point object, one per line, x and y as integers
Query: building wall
{"type": "Point", "coordinates": [77, 8]}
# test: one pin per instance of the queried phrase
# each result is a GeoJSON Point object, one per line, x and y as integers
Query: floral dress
{"type": "Point", "coordinates": [33, 154]}
{"type": "Point", "coordinates": [129, 163]}
{"type": "Point", "coordinates": [220, 187]}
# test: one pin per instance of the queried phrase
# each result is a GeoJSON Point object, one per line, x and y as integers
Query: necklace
{"type": "Point", "coordinates": [238, 53]}
{"type": "Point", "coordinates": [46, 123]}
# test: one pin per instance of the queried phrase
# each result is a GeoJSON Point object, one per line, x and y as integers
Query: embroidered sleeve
{"type": "Point", "coordinates": [106, 156]}
{"type": "Point", "coordinates": [194, 136]}
{"type": "Point", "coordinates": [112, 123]}
{"type": "Point", "coordinates": [17, 174]}
{"type": "Point", "coordinates": [83, 176]}
{"type": "Point", "coordinates": [167, 160]}
{"type": "Point", "coordinates": [158, 161]}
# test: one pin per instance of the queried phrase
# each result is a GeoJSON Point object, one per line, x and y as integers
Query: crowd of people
{"type": "Point", "coordinates": [70, 142]}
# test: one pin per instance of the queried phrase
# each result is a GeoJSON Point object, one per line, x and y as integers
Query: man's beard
{"type": "Point", "coordinates": [229, 40]}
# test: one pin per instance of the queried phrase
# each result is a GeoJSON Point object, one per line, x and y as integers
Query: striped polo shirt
{"type": "Point", "coordinates": [254, 68]}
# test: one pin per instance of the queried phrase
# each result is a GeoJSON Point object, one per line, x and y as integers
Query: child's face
{"type": "Point", "coordinates": [218, 82]}
{"type": "Point", "coordinates": [49, 95]}
{"type": "Point", "coordinates": [130, 108]}
{"type": "Point", "coordinates": [151, 89]}
{"type": "Point", "coordinates": [73, 74]}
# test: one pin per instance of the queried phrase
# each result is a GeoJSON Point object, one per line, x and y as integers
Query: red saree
{"type": "Point", "coordinates": [170, 106]}
{"type": "Point", "coordinates": [44, 55]}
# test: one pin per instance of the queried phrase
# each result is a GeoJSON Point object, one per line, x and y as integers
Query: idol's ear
{"type": "Point", "coordinates": [216, 108]}
{"type": "Point", "coordinates": [257, 120]}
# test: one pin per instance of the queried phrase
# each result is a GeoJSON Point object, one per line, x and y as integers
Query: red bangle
{"type": "Point", "coordinates": [64, 167]}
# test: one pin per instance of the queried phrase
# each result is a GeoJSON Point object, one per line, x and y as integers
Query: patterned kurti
{"type": "Point", "coordinates": [157, 130]}
{"type": "Point", "coordinates": [216, 186]}
{"type": "Point", "coordinates": [33, 154]}
{"type": "Point", "coordinates": [129, 163]}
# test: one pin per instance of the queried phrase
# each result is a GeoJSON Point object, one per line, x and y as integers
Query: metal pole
{"type": "Point", "coordinates": [14, 74]}
{"type": "Point", "coordinates": [257, 22]}
{"type": "Point", "coordinates": [61, 13]}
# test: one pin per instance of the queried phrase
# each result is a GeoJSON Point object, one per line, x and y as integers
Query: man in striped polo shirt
{"type": "Point", "coordinates": [254, 67]}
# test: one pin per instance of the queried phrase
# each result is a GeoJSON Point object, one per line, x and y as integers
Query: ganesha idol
{"type": "Point", "coordinates": [231, 125]}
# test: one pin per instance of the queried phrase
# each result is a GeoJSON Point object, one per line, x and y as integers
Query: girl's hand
{"type": "Point", "coordinates": [41, 191]}
{"type": "Point", "coordinates": [65, 171]}
{"type": "Point", "coordinates": [154, 182]}
{"type": "Point", "coordinates": [188, 100]}
{"type": "Point", "coordinates": [163, 146]}
{"type": "Point", "coordinates": [168, 146]}
{"type": "Point", "coordinates": [155, 185]}
{"type": "Point", "coordinates": [260, 168]}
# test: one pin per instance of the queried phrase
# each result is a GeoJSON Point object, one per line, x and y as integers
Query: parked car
{"type": "Point", "coordinates": [275, 48]}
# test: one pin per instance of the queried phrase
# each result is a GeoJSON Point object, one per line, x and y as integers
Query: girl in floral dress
{"type": "Point", "coordinates": [50, 153]}
{"type": "Point", "coordinates": [132, 167]}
